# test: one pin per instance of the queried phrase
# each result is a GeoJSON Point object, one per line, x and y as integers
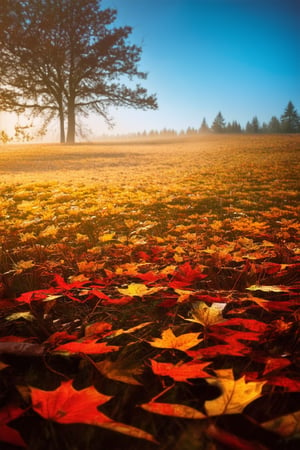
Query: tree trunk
{"type": "Point", "coordinates": [62, 125]}
{"type": "Point", "coordinates": [71, 122]}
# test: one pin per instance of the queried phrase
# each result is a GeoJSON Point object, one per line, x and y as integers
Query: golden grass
{"type": "Point", "coordinates": [139, 161]}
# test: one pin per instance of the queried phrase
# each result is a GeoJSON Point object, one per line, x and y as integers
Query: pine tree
{"type": "Point", "coordinates": [218, 125]}
{"type": "Point", "coordinates": [274, 125]}
{"type": "Point", "coordinates": [204, 128]}
{"type": "Point", "coordinates": [290, 120]}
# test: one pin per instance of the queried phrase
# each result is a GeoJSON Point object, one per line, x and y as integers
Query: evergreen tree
{"type": "Point", "coordinates": [255, 125]}
{"type": "Point", "coordinates": [204, 128]}
{"type": "Point", "coordinates": [290, 120]}
{"type": "Point", "coordinates": [233, 127]}
{"type": "Point", "coordinates": [218, 125]}
{"type": "Point", "coordinates": [274, 125]}
{"type": "Point", "coordinates": [249, 128]}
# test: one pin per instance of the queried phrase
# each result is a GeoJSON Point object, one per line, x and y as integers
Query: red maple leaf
{"type": "Point", "coordinates": [88, 346]}
{"type": "Point", "coordinates": [8, 434]}
{"type": "Point", "coordinates": [186, 276]}
{"type": "Point", "coordinates": [68, 405]}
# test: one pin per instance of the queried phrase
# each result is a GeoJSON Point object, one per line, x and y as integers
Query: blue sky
{"type": "Point", "coordinates": [240, 57]}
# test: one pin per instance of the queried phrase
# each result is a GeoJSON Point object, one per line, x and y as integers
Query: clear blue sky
{"type": "Point", "coordinates": [240, 57]}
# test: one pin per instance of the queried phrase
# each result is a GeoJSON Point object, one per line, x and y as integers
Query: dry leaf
{"type": "Point", "coordinates": [236, 394]}
{"type": "Point", "coordinates": [182, 342]}
{"type": "Point", "coordinates": [138, 290]}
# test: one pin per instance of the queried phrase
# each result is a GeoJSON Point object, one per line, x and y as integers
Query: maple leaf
{"type": "Point", "coordinates": [180, 371]}
{"type": "Point", "coordinates": [173, 409]}
{"type": "Point", "coordinates": [275, 364]}
{"type": "Point", "coordinates": [119, 370]}
{"type": "Point", "coordinates": [207, 315]}
{"type": "Point", "coordinates": [236, 394]}
{"type": "Point", "coordinates": [185, 276]}
{"type": "Point", "coordinates": [97, 328]}
{"type": "Point", "coordinates": [60, 336]}
{"type": "Point", "coordinates": [182, 342]}
{"type": "Point", "coordinates": [8, 434]}
{"type": "Point", "coordinates": [138, 290]}
{"type": "Point", "coordinates": [184, 295]}
{"type": "Point", "coordinates": [68, 405]}
{"type": "Point", "coordinates": [88, 346]}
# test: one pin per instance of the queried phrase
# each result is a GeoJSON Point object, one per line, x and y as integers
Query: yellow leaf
{"type": "Point", "coordinates": [236, 394]}
{"type": "Point", "coordinates": [20, 266]}
{"type": "Point", "coordinates": [184, 295]}
{"type": "Point", "coordinates": [50, 231]}
{"type": "Point", "coordinates": [207, 315]}
{"type": "Point", "coordinates": [256, 287]}
{"type": "Point", "coordinates": [106, 237]}
{"type": "Point", "coordinates": [169, 340]}
{"type": "Point", "coordinates": [138, 290]}
{"type": "Point", "coordinates": [21, 315]}
{"type": "Point", "coordinates": [129, 330]}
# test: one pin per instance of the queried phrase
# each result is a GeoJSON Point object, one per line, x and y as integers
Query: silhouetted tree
{"type": "Point", "coordinates": [274, 125]}
{"type": "Point", "coordinates": [64, 57]}
{"type": "Point", "coordinates": [233, 127]}
{"type": "Point", "coordinates": [218, 125]}
{"type": "Point", "coordinates": [290, 120]}
{"type": "Point", "coordinates": [255, 125]}
{"type": "Point", "coordinates": [204, 128]}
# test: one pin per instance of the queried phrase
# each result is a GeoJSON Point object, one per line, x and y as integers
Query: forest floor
{"type": "Point", "coordinates": [149, 294]}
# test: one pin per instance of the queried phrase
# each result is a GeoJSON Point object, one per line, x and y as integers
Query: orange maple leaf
{"type": "Point", "coordinates": [180, 372]}
{"type": "Point", "coordinates": [68, 405]}
{"type": "Point", "coordinates": [169, 340]}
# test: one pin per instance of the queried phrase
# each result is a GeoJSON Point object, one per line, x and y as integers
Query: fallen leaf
{"type": "Point", "coordinates": [138, 290]}
{"type": "Point", "coordinates": [8, 434]}
{"type": "Point", "coordinates": [184, 295]}
{"type": "Point", "coordinates": [207, 315]}
{"type": "Point", "coordinates": [236, 394]}
{"type": "Point", "coordinates": [129, 330]}
{"type": "Point", "coordinates": [180, 371]}
{"type": "Point", "coordinates": [173, 409]}
{"type": "Point", "coordinates": [21, 315]}
{"type": "Point", "coordinates": [68, 405]}
{"type": "Point", "coordinates": [119, 370]}
{"type": "Point", "coordinates": [182, 342]}
{"type": "Point", "coordinates": [97, 328]}
{"type": "Point", "coordinates": [256, 287]}
{"type": "Point", "coordinates": [89, 346]}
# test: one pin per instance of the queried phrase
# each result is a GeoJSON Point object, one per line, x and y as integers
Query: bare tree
{"type": "Point", "coordinates": [65, 58]}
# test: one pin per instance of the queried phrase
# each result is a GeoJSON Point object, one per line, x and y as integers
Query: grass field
{"type": "Point", "coordinates": [161, 278]}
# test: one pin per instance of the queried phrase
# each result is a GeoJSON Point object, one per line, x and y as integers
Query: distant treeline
{"type": "Point", "coordinates": [289, 122]}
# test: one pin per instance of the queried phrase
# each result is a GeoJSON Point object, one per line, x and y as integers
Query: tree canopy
{"type": "Point", "coordinates": [64, 58]}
